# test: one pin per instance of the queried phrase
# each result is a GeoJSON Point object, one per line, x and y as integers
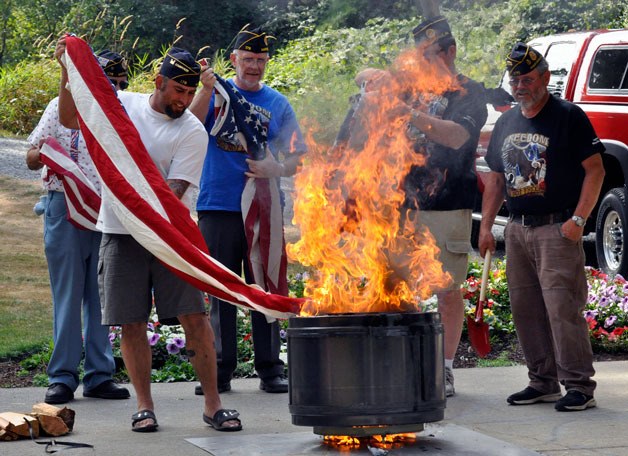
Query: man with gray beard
{"type": "Point", "coordinates": [547, 158]}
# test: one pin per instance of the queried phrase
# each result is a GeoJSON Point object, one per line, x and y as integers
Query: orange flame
{"type": "Point", "coordinates": [387, 441]}
{"type": "Point", "coordinates": [348, 203]}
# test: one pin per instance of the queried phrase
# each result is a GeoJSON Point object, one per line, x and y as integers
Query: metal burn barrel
{"type": "Point", "coordinates": [362, 370]}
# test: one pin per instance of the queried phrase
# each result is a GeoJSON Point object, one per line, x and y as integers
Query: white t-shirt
{"type": "Point", "coordinates": [177, 147]}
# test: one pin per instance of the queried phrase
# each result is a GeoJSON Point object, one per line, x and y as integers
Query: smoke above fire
{"type": "Point", "coordinates": [348, 202]}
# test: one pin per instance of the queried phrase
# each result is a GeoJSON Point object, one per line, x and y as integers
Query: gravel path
{"type": "Point", "coordinates": [12, 163]}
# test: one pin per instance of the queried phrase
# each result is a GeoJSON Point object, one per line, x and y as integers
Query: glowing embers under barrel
{"type": "Point", "coordinates": [366, 374]}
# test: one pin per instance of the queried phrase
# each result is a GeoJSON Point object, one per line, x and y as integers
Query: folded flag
{"type": "Point", "coordinates": [261, 201]}
{"type": "Point", "coordinates": [81, 196]}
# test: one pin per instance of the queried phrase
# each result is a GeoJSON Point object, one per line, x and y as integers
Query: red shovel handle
{"type": "Point", "coordinates": [479, 314]}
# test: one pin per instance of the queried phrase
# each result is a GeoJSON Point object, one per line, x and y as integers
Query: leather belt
{"type": "Point", "coordinates": [540, 220]}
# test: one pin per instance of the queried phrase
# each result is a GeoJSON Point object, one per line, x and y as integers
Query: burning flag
{"type": "Point", "coordinates": [367, 256]}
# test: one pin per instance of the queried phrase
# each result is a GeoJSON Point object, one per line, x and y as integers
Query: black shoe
{"type": "Point", "coordinates": [58, 393]}
{"type": "Point", "coordinates": [532, 396]}
{"type": "Point", "coordinates": [278, 384]}
{"type": "Point", "coordinates": [222, 388]}
{"type": "Point", "coordinates": [108, 390]}
{"type": "Point", "coordinates": [575, 401]}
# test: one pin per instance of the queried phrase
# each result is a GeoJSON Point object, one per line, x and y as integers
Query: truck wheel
{"type": "Point", "coordinates": [610, 245]}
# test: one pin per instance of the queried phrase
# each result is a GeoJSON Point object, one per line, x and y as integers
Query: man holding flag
{"type": "Point", "coordinates": [72, 255]}
{"type": "Point", "coordinates": [240, 204]}
{"type": "Point", "coordinates": [130, 276]}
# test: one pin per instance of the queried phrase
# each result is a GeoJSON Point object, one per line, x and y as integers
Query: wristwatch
{"type": "Point", "coordinates": [578, 220]}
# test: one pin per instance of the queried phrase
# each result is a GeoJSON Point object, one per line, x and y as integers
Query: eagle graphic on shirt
{"type": "Point", "coordinates": [525, 164]}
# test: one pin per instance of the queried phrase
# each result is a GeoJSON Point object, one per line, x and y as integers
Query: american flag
{"type": "Point", "coordinates": [81, 196]}
{"type": "Point", "coordinates": [140, 197]}
{"type": "Point", "coordinates": [261, 202]}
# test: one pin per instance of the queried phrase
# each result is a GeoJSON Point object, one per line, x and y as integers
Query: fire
{"type": "Point", "coordinates": [388, 441]}
{"type": "Point", "coordinates": [348, 204]}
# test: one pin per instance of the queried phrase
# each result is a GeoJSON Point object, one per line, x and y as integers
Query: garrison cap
{"type": "Point", "coordinates": [252, 40]}
{"type": "Point", "coordinates": [112, 63]}
{"type": "Point", "coordinates": [522, 59]}
{"type": "Point", "coordinates": [180, 66]}
{"type": "Point", "coordinates": [432, 29]}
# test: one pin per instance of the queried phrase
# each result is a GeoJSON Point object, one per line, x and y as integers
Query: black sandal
{"type": "Point", "coordinates": [221, 417]}
{"type": "Point", "coordinates": [141, 416]}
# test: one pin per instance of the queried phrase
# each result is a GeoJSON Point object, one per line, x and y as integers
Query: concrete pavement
{"type": "Point", "coordinates": [478, 410]}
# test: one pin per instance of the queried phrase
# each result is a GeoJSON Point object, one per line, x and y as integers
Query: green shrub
{"type": "Point", "coordinates": [25, 90]}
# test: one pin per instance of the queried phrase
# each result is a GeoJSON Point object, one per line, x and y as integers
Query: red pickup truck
{"type": "Point", "coordinates": [590, 69]}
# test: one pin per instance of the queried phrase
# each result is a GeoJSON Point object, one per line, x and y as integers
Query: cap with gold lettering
{"type": "Point", "coordinates": [252, 40]}
{"type": "Point", "coordinates": [180, 66]}
{"type": "Point", "coordinates": [522, 59]}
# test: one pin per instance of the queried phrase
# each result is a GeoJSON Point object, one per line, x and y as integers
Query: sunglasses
{"type": "Point", "coordinates": [122, 85]}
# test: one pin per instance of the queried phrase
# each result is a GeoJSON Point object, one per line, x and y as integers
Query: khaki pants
{"type": "Point", "coordinates": [548, 293]}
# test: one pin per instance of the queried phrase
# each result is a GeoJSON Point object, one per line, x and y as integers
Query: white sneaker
{"type": "Point", "coordinates": [449, 382]}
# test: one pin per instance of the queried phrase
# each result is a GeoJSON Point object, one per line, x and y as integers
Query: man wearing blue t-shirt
{"type": "Point", "coordinates": [226, 169]}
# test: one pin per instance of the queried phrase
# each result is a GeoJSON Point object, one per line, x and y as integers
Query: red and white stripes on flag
{"type": "Point", "coordinates": [81, 196]}
{"type": "Point", "coordinates": [140, 197]}
{"type": "Point", "coordinates": [261, 202]}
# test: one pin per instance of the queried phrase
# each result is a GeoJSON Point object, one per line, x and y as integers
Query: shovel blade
{"type": "Point", "coordinates": [479, 336]}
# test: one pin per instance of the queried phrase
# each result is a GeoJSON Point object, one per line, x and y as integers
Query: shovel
{"type": "Point", "coordinates": [478, 329]}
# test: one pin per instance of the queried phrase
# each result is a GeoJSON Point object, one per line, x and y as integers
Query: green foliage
{"type": "Point", "coordinates": [39, 359]}
{"type": "Point", "coordinates": [246, 361]}
{"type": "Point", "coordinates": [501, 361]}
{"type": "Point", "coordinates": [25, 90]}
{"type": "Point", "coordinates": [174, 371]}
{"type": "Point", "coordinates": [316, 72]}
{"type": "Point", "coordinates": [37, 363]}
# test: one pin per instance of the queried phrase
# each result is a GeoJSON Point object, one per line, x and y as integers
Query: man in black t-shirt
{"type": "Point", "coordinates": [445, 129]}
{"type": "Point", "coordinates": [546, 157]}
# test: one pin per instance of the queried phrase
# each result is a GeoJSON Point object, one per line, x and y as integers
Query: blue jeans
{"type": "Point", "coordinates": [72, 256]}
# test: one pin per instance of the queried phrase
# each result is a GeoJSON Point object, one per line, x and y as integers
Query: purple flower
{"type": "Point", "coordinates": [590, 314]}
{"type": "Point", "coordinates": [610, 321]}
{"type": "Point", "coordinates": [153, 338]}
{"type": "Point", "coordinates": [172, 348]}
{"type": "Point", "coordinates": [610, 291]}
{"type": "Point", "coordinates": [623, 305]}
{"type": "Point", "coordinates": [112, 337]}
{"type": "Point", "coordinates": [150, 326]}
{"type": "Point", "coordinates": [282, 333]}
{"type": "Point", "coordinates": [604, 301]}
{"type": "Point", "coordinates": [178, 341]}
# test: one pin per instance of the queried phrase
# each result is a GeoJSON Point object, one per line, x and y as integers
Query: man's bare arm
{"type": "Point", "coordinates": [67, 109]}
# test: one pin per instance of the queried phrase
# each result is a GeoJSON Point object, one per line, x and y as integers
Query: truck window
{"type": "Point", "coordinates": [609, 69]}
{"type": "Point", "coordinates": [560, 57]}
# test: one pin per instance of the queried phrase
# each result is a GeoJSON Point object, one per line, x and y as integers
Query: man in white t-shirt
{"type": "Point", "coordinates": [130, 277]}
